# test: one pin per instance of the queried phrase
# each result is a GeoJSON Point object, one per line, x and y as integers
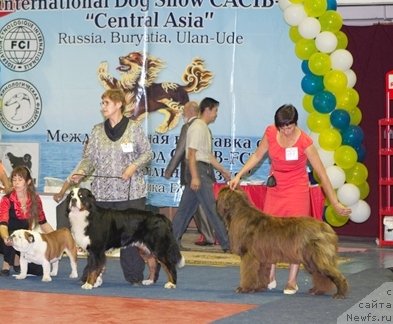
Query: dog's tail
{"type": "Point", "coordinates": [196, 76]}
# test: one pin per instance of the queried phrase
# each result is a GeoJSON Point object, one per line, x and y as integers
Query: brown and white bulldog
{"type": "Point", "coordinates": [44, 249]}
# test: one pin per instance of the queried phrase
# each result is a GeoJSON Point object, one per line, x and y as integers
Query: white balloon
{"type": "Point", "coordinates": [294, 14]}
{"type": "Point", "coordinates": [327, 158]}
{"type": "Point", "coordinates": [351, 77]}
{"type": "Point", "coordinates": [326, 42]}
{"type": "Point", "coordinates": [341, 60]}
{"type": "Point", "coordinates": [309, 28]}
{"type": "Point", "coordinates": [360, 212]}
{"type": "Point", "coordinates": [336, 176]}
{"type": "Point", "coordinates": [348, 194]}
{"type": "Point", "coordinates": [284, 4]}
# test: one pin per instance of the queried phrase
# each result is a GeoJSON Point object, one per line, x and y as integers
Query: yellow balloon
{"type": "Point", "coordinates": [345, 156]}
{"type": "Point", "coordinates": [333, 218]}
{"type": "Point", "coordinates": [307, 103]}
{"type": "Point", "coordinates": [357, 174]}
{"type": "Point", "coordinates": [329, 139]}
{"type": "Point", "coordinates": [296, 1]}
{"type": "Point", "coordinates": [356, 116]}
{"type": "Point", "coordinates": [347, 99]}
{"type": "Point", "coordinates": [342, 40]}
{"type": "Point", "coordinates": [294, 34]}
{"type": "Point", "coordinates": [335, 81]}
{"type": "Point", "coordinates": [304, 48]}
{"type": "Point", "coordinates": [331, 21]}
{"type": "Point", "coordinates": [315, 8]}
{"type": "Point", "coordinates": [319, 63]}
{"type": "Point", "coordinates": [364, 189]}
{"type": "Point", "coordinates": [317, 122]}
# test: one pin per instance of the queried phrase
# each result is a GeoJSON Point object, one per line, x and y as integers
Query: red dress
{"type": "Point", "coordinates": [291, 195]}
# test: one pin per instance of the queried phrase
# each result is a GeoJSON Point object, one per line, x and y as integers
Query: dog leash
{"type": "Point", "coordinates": [108, 177]}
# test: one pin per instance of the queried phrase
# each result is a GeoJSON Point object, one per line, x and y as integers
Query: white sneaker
{"type": "Point", "coordinates": [272, 285]}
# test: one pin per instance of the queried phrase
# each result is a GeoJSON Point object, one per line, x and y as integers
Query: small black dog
{"type": "Point", "coordinates": [96, 230]}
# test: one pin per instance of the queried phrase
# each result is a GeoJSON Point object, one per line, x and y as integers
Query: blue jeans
{"type": "Point", "coordinates": [189, 203]}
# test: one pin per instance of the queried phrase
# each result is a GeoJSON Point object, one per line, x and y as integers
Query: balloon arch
{"type": "Point", "coordinates": [331, 101]}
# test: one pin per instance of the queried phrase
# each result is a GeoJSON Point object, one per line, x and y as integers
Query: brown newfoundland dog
{"type": "Point", "coordinates": [261, 240]}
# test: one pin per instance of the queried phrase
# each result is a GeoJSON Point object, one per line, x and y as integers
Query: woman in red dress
{"type": "Point", "coordinates": [289, 149]}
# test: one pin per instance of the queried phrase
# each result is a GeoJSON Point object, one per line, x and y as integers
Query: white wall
{"type": "Point", "coordinates": [365, 12]}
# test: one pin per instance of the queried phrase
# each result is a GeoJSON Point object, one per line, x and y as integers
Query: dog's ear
{"type": "Point", "coordinates": [29, 237]}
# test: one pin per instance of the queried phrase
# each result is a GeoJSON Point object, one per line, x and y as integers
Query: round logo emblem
{"type": "Point", "coordinates": [21, 45]}
{"type": "Point", "coordinates": [20, 104]}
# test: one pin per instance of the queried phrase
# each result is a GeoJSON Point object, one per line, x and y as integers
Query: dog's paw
{"type": "Point", "coordinates": [86, 285]}
{"type": "Point", "coordinates": [338, 296]}
{"type": "Point", "coordinates": [20, 277]}
{"type": "Point", "coordinates": [73, 274]}
{"type": "Point", "coordinates": [103, 68]}
{"type": "Point", "coordinates": [147, 282]}
{"type": "Point", "coordinates": [53, 274]}
{"type": "Point", "coordinates": [241, 290]}
{"type": "Point", "coordinates": [99, 281]}
{"type": "Point", "coordinates": [170, 285]}
{"type": "Point", "coordinates": [46, 279]}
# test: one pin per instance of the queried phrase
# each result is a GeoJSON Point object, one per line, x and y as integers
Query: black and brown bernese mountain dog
{"type": "Point", "coordinates": [96, 230]}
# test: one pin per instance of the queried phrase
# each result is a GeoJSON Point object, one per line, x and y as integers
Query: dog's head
{"type": "Point", "coordinates": [227, 202]}
{"type": "Point", "coordinates": [22, 240]}
{"type": "Point", "coordinates": [80, 199]}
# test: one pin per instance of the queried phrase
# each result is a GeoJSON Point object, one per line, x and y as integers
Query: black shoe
{"type": "Point", "coordinates": [17, 269]}
{"type": "Point", "coordinates": [203, 243]}
{"type": "Point", "coordinates": [4, 273]}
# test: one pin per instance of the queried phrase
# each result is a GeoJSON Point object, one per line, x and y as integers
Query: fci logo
{"type": "Point", "coordinates": [21, 45]}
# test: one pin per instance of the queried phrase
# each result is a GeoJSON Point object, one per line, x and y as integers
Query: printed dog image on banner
{"type": "Point", "coordinates": [137, 79]}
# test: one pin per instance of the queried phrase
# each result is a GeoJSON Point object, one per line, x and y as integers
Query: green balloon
{"type": "Point", "coordinates": [345, 156]}
{"type": "Point", "coordinates": [315, 8]}
{"type": "Point", "coordinates": [331, 21]}
{"type": "Point", "coordinates": [317, 122]}
{"type": "Point", "coordinates": [335, 81]}
{"type": "Point", "coordinates": [333, 218]}
{"type": "Point", "coordinates": [304, 48]}
{"type": "Point", "coordinates": [329, 139]}
{"type": "Point", "coordinates": [319, 63]}
{"type": "Point", "coordinates": [342, 40]}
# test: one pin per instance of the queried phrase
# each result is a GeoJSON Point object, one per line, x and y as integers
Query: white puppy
{"type": "Point", "coordinates": [44, 249]}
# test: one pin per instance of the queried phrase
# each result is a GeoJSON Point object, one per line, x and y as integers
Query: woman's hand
{"type": "Point", "coordinates": [341, 209]}
{"type": "Point", "coordinates": [234, 182]}
{"type": "Point", "coordinates": [128, 172]}
{"type": "Point", "coordinates": [195, 183]}
{"type": "Point", "coordinates": [58, 197]}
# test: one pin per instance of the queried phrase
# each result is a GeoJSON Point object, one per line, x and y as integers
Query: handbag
{"type": "Point", "coordinates": [271, 181]}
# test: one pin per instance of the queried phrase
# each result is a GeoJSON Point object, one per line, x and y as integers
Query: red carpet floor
{"type": "Point", "coordinates": [33, 307]}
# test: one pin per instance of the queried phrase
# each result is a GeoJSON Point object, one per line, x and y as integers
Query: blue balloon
{"type": "Point", "coordinates": [340, 119]}
{"type": "Point", "coordinates": [305, 68]}
{"type": "Point", "coordinates": [312, 84]}
{"type": "Point", "coordinates": [324, 102]}
{"type": "Point", "coordinates": [352, 135]}
{"type": "Point", "coordinates": [331, 5]}
{"type": "Point", "coordinates": [361, 151]}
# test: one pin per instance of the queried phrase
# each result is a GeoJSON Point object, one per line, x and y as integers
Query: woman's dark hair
{"type": "Point", "coordinates": [285, 115]}
{"type": "Point", "coordinates": [207, 103]}
{"type": "Point", "coordinates": [24, 172]}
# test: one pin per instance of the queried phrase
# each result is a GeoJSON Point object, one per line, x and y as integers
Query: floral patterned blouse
{"type": "Point", "coordinates": [106, 160]}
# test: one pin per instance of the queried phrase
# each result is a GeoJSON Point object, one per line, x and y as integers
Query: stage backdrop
{"type": "Point", "coordinates": [59, 56]}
